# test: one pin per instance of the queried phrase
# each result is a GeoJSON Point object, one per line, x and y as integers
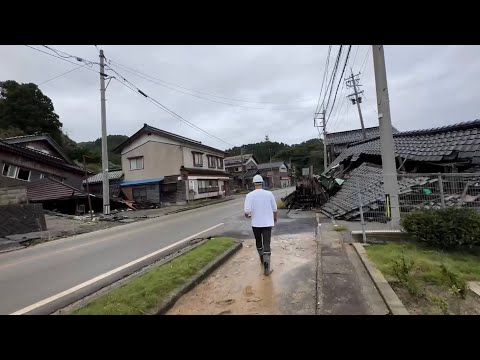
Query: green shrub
{"type": "Point", "coordinates": [445, 228]}
{"type": "Point", "coordinates": [340, 228]}
{"type": "Point", "coordinates": [456, 283]}
{"type": "Point", "coordinates": [403, 268]}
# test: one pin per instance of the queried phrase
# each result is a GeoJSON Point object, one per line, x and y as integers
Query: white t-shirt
{"type": "Point", "coordinates": [261, 205]}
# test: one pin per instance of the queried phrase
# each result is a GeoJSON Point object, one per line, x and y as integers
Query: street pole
{"type": "Point", "coordinates": [387, 144]}
{"type": "Point", "coordinates": [106, 191]}
{"type": "Point", "coordinates": [88, 189]}
{"type": "Point", "coordinates": [358, 106]}
{"type": "Point", "coordinates": [325, 155]}
{"type": "Point", "coordinates": [243, 172]}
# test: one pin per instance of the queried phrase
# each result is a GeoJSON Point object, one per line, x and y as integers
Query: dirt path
{"type": "Point", "coordinates": [239, 286]}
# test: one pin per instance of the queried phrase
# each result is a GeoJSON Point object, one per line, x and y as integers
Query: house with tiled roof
{"type": "Point", "coordinates": [448, 149]}
{"type": "Point", "coordinates": [160, 167]}
{"type": "Point", "coordinates": [241, 170]}
{"type": "Point", "coordinates": [26, 159]}
{"type": "Point", "coordinates": [275, 174]}
{"type": "Point", "coordinates": [339, 141]}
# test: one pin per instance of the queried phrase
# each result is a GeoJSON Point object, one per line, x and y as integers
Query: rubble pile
{"type": "Point", "coordinates": [309, 193]}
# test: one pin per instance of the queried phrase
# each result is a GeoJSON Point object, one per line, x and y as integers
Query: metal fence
{"type": "Point", "coordinates": [416, 191]}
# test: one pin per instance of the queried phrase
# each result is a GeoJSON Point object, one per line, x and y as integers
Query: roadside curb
{"type": "Point", "coordinates": [202, 275]}
{"type": "Point", "coordinates": [394, 304]}
{"type": "Point", "coordinates": [474, 287]}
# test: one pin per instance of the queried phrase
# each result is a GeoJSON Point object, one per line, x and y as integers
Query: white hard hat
{"type": "Point", "coordinates": [257, 179]}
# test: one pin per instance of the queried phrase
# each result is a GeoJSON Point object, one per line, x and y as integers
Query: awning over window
{"type": "Point", "coordinates": [141, 182]}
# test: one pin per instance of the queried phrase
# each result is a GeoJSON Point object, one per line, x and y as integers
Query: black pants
{"type": "Point", "coordinates": [263, 236]}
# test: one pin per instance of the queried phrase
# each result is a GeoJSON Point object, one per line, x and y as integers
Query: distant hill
{"type": "Point", "coordinates": [301, 155]}
{"type": "Point", "coordinates": [95, 147]}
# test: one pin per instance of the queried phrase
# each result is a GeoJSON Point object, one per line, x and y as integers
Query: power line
{"type": "Point", "coordinates": [67, 55]}
{"type": "Point", "coordinates": [366, 56]}
{"type": "Point", "coordinates": [334, 75]}
{"type": "Point", "coordinates": [340, 80]}
{"type": "Point", "coordinates": [149, 78]}
{"type": "Point", "coordinates": [135, 89]}
{"type": "Point", "coordinates": [325, 72]}
{"type": "Point", "coordinates": [65, 73]}
{"type": "Point", "coordinates": [355, 56]}
{"type": "Point", "coordinates": [64, 59]}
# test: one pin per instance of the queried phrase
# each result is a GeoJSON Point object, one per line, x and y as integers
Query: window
{"type": "Point", "coordinates": [23, 174]}
{"type": "Point", "coordinates": [211, 162]}
{"type": "Point", "coordinates": [206, 186]}
{"type": "Point", "coordinates": [239, 168]}
{"type": "Point", "coordinates": [197, 159]}
{"type": "Point", "coordinates": [136, 163]}
{"type": "Point", "coordinates": [9, 170]}
{"type": "Point", "coordinates": [13, 171]}
{"type": "Point", "coordinates": [219, 163]}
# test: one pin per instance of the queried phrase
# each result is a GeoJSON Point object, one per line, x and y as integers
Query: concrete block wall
{"type": "Point", "coordinates": [13, 196]}
{"type": "Point", "coordinates": [21, 219]}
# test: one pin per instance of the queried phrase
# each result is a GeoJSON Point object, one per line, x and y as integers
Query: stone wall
{"type": "Point", "coordinates": [13, 195]}
{"type": "Point", "coordinates": [21, 219]}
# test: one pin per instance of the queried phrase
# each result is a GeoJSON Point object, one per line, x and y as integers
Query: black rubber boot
{"type": "Point", "coordinates": [260, 254]}
{"type": "Point", "coordinates": [267, 270]}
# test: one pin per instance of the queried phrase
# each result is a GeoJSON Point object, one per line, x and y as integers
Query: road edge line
{"type": "Point", "coordinates": [66, 297]}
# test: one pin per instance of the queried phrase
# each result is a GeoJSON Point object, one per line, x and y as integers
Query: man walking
{"type": "Point", "coordinates": [261, 207]}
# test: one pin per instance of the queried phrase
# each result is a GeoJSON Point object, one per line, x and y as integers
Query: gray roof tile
{"type": "Point", "coordinates": [424, 145]}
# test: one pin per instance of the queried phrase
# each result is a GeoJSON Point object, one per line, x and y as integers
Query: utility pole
{"type": "Point", "coordinates": [88, 189]}
{"type": "Point", "coordinates": [324, 126]}
{"type": "Point", "coordinates": [243, 171]}
{"type": "Point", "coordinates": [353, 81]}
{"type": "Point", "coordinates": [267, 139]}
{"type": "Point", "coordinates": [106, 185]}
{"type": "Point", "coordinates": [387, 145]}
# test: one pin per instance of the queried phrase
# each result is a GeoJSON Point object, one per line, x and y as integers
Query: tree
{"type": "Point", "coordinates": [24, 107]}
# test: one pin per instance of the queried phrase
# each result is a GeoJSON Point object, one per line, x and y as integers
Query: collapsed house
{"type": "Point", "coordinates": [422, 155]}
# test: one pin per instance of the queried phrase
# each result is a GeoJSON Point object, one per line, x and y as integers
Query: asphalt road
{"type": "Point", "coordinates": [32, 275]}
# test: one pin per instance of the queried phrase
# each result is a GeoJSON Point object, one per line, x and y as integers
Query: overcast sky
{"type": "Point", "coordinates": [429, 86]}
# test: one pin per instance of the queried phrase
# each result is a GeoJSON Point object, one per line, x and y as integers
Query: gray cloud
{"type": "Point", "coordinates": [429, 86]}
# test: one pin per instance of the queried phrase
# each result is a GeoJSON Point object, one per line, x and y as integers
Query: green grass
{"type": "Point", "coordinates": [340, 228]}
{"type": "Point", "coordinates": [144, 294]}
{"type": "Point", "coordinates": [427, 261]}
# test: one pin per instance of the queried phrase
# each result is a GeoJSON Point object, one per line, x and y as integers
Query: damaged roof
{"type": "Point", "coordinates": [367, 179]}
{"type": "Point", "coordinates": [351, 136]}
{"type": "Point", "coordinates": [51, 189]}
{"type": "Point", "coordinates": [458, 142]}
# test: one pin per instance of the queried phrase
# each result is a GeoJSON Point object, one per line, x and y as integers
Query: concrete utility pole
{"type": "Point", "coordinates": [243, 171]}
{"type": "Point", "coordinates": [353, 81]}
{"type": "Point", "coordinates": [387, 144]}
{"type": "Point", "coordinates": [106, 184]}
{"type": "Point", "coordinates": [324, 126]}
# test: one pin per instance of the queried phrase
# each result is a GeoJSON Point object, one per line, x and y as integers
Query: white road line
{"type": "Point", "coordinates": [103, 276]}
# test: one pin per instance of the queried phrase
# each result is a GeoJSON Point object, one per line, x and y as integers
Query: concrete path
{"type": "Point", "coordinates": [239, 286]}
{"type": "Point", "coordinates": [344, 286]}
{"type": "Point", "coordinates": [314, 273]}
{"type": "Point", "coordinates": [34, 274]}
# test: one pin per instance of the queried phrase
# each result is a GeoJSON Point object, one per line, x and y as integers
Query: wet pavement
{"type": "Point", "coordinates": [239, 286]}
